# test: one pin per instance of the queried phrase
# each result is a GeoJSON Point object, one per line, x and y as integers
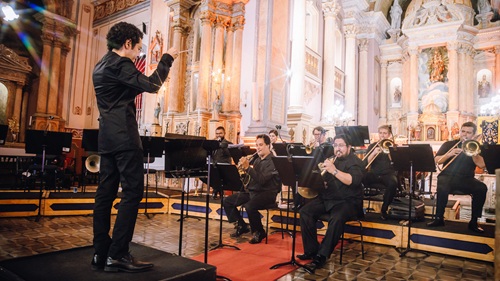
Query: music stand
{"type": "Point", "coordinates": [294, 171]}
{"type": "Point", "coordinates": [152, 148]}
{"type": "Point", "coordinates": [491, 156]}
{"type": "Point", "coordinates": [358, 135]}
{"type": "Point", "coordinates": [414, 157]}
{"type": "Point", "coordinates": [3, 134]}
{"type": "Point", "coordinates": [90, 143]}
{"type": "Point", "coordinates": [225, 177]}
{"type": "Point", "coordinates": [46, 142]}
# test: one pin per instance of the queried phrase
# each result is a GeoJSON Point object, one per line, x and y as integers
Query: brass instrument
{"type": "Point", "coordinates": [310, 147]}
{"type": "Point", "coordinates": [310, 193]}
{"type": "Point", "coordinates": [92, 163]}
{"type": "Point", "coordinates": [469, 147]}
{"type": "Point", "coordinates": [245, 177]}
{"type": "Point", "coordinates": [384, 146]}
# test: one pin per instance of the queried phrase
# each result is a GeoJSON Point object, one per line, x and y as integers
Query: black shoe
{"type": "Point", "coordinates": [240, 230]}
{"type": "Point", "coordinates": [258, 236]}
{"type": "Point", "coordinates": [318, 262]}
{"type": "Point", "coordinates": [98, 262]}
{"type": "Point", "coordinates": [383, 215]}
{"type": "Point", "coordinates": [126, 263]}
{"type": "Point", "coordinates": [436, 222]}
{"type": "Point", "coordinates": [474, 226]}
{"type": "Point", "coordinates": [306, 256]}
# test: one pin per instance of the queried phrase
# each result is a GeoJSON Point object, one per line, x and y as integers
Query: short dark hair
{"type": "Point", "coordinates": [320, 129]}
{"type": "Point", "coordinates": [273, 131]}
{"type": "Point", "coordinates": [220, 128]}
{"type": "Point", "coordinates": [386, 127]}
{"type": "Point", "coordinates": [470, 124]}
{"type": "Point", "coordinates": [342, 137]}
{"type": "Point", "coordinates": [265, 137]}
{"type": "Point", "coordinates": [120, 33]}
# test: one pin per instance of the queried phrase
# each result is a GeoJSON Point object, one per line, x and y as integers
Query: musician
{"type": "Point", "coordinates": [262, 190]}
{"type": "Point", "coordinates": [319, 134]}
{"type": "Point", "coordinates": [221, 155]}
{"type": "Point", "coordinates": [381, 170]}
{"type": "Point", "coordinates": [342, 199]}
{"type": "Point", "coordinates": [459, 175]}
{"type": "Point", "coordinates": [273, 135]}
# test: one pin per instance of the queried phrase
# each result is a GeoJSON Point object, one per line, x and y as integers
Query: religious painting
{"type": "Point", "coordinates": [488, 129]}
{"type": "Point", "coordinates": [395, 92]}
{"type": "Point", "coordinates": [433, 80]}
{"type": "Point", "coordinates": [431, 133]}
{"type": "Point", "coordinates": [156, 49]}
{"type": "Point", "coordinates": [483, 83]}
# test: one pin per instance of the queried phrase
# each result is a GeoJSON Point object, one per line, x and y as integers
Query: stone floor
{"type": "Point", "coordinates": [24, 237]}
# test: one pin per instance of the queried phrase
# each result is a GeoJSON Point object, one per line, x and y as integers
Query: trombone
{"type": "Point", "coordinates": [470, 148]}
{"type": "Point", "coordinates": [384, 146]}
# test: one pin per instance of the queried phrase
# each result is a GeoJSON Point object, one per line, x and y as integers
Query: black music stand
{"type": "Point", "coordinates": [184, 158]}
{"type": "Point", "coordinates": [46, 142]}
{"type": "Point", "coordinates": [414, 157]}
{"type": "Point", "coordinates": [3, 134]}
{"type": "Point", "coordinates": [238, 151]}
{"type": "Point", "coordinates": [152, 148]}
{"type": "Point", "coordinates": [359, 135]}
{"type": "Point", "coordinates": [90, 143]}
{"type": "Point", "coordinates": [491, 156]}
{"type": "Point", "coordinates": [225, 177]}
{"type": "Point", "coordinates": [295, 171]}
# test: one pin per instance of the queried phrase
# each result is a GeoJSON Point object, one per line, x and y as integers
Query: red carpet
{"type": "Point", "coordinates": [252, 262]}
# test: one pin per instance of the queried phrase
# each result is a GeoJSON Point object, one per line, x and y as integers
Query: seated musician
{"type": "Point", "coordinates": [342, 199]}
{"type": "Point", "coordinates": [381, 170]}
{"type": "Point", "coordinates": [459, 175]}
{"type": "Point", "coordinates": [261, 192]}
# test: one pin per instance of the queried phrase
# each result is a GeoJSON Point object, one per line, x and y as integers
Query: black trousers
{"type": "Point", "coordinates": [253, 202]}
{"type": "Point", "coordinates": [390, 182]}
{"type": "Point", "coordinates": [338, 215]}
{"type": "Point", "coordinates": [447, 184]}
{"type": "Point", "coordinates": [125, 167]}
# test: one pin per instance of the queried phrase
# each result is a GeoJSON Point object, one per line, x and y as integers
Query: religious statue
{"type": "Point", "coordinates": [436, 67]}
{"type": "Point", "coordinates": [396, 12]}
{"type": "Point", "coordinates": [455, 130]}
{"type": "Point", "coordinates": [157, 113]}
{"type": "Point", "coordinates": [483, 87]}
{"type": "Point", "coordinates": [397, 94]}
{"type": "Point", "coordinates": [444, 132]}
{"type": "Point", "coordinates": [216, 108]}
{"type": "Point", "coordinates": [418, 130]}
{"type": "Point", "coordinates": [483, 6]}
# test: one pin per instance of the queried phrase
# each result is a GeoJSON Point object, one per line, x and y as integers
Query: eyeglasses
{"type": "Point", "coordinates": [340, 145]}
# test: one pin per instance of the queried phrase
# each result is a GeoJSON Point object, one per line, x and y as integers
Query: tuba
{"type": "Point", "coordinates": [92, 163]}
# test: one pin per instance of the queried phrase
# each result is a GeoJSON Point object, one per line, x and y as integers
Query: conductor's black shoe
{"type": "Point", "coordinates": [474, 226]}
{"type": "Point", "coordinates": [98, 262]}
{"type": "Point", "coordinates": [436, 222]}
{"type": "Point", "coordinates": [240, 230]}
{"type": "Point", "coordinates": [318, 262]}
{"type": "Point", "coordinates": [258, 236]}
{"type": "Point", "coordinates": [126, 263]}
{"type": "Point", "coordinates": [306, 256]}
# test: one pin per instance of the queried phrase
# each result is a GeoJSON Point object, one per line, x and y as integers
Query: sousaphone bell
{"type": "Point", "coordinates": [92, 163]}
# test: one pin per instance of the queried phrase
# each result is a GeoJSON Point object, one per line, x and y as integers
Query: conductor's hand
{"type": "Point", "coordinates": [173, 52]}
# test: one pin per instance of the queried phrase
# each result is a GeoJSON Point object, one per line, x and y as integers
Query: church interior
{"type": "Point", "coordinates": [423, 67]}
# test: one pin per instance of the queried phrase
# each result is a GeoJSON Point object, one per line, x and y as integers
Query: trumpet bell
{"type": "Point", "coordinates": [307, 192]}
{"type": "Point", "coordinates": [92, 163]}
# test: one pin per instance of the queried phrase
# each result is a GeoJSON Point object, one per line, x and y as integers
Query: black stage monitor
{"type": "Point", "coordinates": [358, 135]}
{"type": "Point", "coordinates": [3, 134]}
{"type": "Point", "coordinates": [491, 155]}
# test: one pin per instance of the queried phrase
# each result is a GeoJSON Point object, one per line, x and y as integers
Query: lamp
{"type": "Point", "coordinates": [8, 12]}
{"type": "Point", "coordinates": [337, 116]}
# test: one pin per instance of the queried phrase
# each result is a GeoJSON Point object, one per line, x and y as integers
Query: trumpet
{"type": "Point", "coordinates": [384, 146]}
{"type": "Point", "coordinates": [308, 192]}
{"type": "Point", "coordinates": [322, 168]}
{"type": "Point", "coordinates": [310, 147]}
{"type": "Point", "coordinates": [470, 148]}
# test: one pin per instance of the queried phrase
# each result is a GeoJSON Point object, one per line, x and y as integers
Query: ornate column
{"type": "Point", "coordinates": [62, 75]}
{"type": "Point", "coordinates": [462, 87]}
{"type": "Point", "coordinates": [497, 69]}
{"type": "Point", "coordinates": [226, 103]}
{"type": "Point", "coordinates": [217, 71]}
{"type": "Point", "coordinates": [413, 51]}
{"type": "Point", "coordinates": [363, 81]}
{"type": "Point", "coordinates": [207, 18]}
{"type": "Point", "coordinates": [238, 24]}
{"type": "Point", "coordinates": [469, 78]}
{"type": "Point", "coordinates": [452, 77]}
{"type": "Point", "coordinates": [330, 10]}
{"type": "Point", "coordinates": [17, 101]}
{"type": "Point", "coordinates": [383, 92]}
{"type": "Point", "coordinates": [298, 63]}
{"type": "Point", "coordinates": [43, 86]}
{"type": "Point", "coordinates": [54, 78]}
{"type": "Point", "coordinates": [351, 70]}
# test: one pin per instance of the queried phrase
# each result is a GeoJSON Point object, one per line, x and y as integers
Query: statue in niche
{"type": "Point", "coordinates": [216, 108]}
{"type": "Point", "coordinates": [396, 12]}
{"type": "Point", "coordinates": [418, 131]}
{"type": "Point", "coordinates": [397, 94]}
{"type": "Point", "coordinates": [454, 131]}
{"type": "Point", "coordinates": [157, 113]}
{"type": "Point", "coordinates": [436, 67]}
{"type": "Point", "coordinates": [444, 132]}
{"type": "Point", "coordinates": [483, 87]}
{"type": "Point", "coordinates": [483, 6]}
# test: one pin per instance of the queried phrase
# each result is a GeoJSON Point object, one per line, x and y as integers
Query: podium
{"type": "Point", "coordinates": [414, 157]}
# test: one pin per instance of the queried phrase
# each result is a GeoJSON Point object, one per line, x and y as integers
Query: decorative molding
{"type": "Point", "coordinates": [112, 7]}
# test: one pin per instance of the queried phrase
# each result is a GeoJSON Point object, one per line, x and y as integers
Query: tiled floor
{"type": "Point", "coordinates": [23, 237]}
